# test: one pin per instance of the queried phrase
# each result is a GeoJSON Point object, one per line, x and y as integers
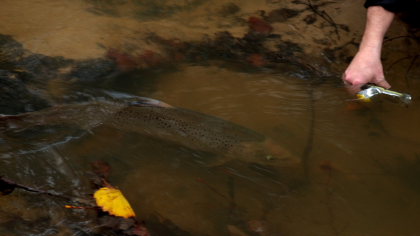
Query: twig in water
{"type": "Point", "coordinates": [7, 186]}
{"type": "Point", "coordinates": [323, 14]}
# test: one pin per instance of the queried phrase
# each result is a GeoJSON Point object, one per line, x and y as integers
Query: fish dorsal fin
{"type": "Point", "coordinates": [148, 102]}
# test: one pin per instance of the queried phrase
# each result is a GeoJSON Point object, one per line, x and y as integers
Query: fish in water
{"type": "Point", "coordinates": [184, 127]}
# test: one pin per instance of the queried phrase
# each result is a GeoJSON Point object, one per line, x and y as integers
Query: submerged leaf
{"type": "Point", "coordinates": [101, 169]}
{"type": "Point", "coordinates": [114, 202]}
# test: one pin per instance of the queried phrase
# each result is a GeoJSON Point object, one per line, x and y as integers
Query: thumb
{"type": "Point", "coordinates": [383, 83]}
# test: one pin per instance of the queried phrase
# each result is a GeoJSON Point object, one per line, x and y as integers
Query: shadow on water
{"type": "Point", "coordinates": [266, 67]}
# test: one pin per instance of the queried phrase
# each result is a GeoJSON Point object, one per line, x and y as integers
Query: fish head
{"type": "Point", "coordinates": [271, 153]}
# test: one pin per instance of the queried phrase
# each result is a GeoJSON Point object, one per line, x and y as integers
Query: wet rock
{"type": "Point", "coordinates": [16, 98]}
{"type": "Point", "coordinates": [30, 66]}
{"type": "Point", "coordinates": [10, 50]}
{"type": "Point", "coordinates": [38, 66]}
{"type": "Point", "coordinates": [92, 70]}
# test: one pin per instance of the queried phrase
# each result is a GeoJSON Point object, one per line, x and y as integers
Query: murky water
{"type": "Point", "coordinates": [276, 72]}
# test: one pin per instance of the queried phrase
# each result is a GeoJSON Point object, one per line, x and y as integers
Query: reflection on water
{"type": "Point", "coordinates": [246, 62]}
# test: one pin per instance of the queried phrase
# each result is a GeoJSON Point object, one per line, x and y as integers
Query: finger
{"type": "Point", "coordinates": [383, 83]}
{"type": "Point", "coordinates": [346, 83]}
{"type": "Point", "coordinates": [353, 89]}
{"type": "Point", "coordinates": [344, 79]}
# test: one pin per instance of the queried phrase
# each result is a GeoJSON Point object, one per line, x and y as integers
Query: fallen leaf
{"type": "Point", "coordinates": [124, 61]}
{"type": "Point", "coordinates": [257, 60]}
{"type": "Point", "coordinates": [259, 25]}
{"type": "Point", "coordinates": [113, 201]}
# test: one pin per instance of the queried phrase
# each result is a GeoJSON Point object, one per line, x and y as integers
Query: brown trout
{"type": "Point", "coordinates": [194, 130]}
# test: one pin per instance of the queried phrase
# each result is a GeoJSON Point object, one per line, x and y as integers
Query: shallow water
{"type": "Point", "coordinates": [360, 162]}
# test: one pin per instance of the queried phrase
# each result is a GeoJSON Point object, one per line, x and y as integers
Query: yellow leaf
{"type": "Point", "coordinates": [114, 202]}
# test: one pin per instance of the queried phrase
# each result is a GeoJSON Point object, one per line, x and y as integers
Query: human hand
{"type": "Point", "coordinates": [366, 67]}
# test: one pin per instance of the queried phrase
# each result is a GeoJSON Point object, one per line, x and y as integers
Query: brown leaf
{"type": "Point", "coordinates": [259, 25]}
{"type": "Point", "coordinates": [101, 168]}
{"type": "Point", "coordinates": [257, 60]}
{"type": "Point", "coordinates": [124, 61]}
{"type": "Point", "coordinates": [139, 230]}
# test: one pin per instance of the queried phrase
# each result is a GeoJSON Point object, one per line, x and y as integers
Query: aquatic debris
{"type": "Point", "coordinates": [111, 200]}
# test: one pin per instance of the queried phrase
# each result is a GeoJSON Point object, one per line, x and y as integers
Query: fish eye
{"type": "Point", "coordinates": [270, 158]}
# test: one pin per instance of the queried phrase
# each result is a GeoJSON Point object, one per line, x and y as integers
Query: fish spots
{"type": "Point", "coordinates": [190, 129]}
